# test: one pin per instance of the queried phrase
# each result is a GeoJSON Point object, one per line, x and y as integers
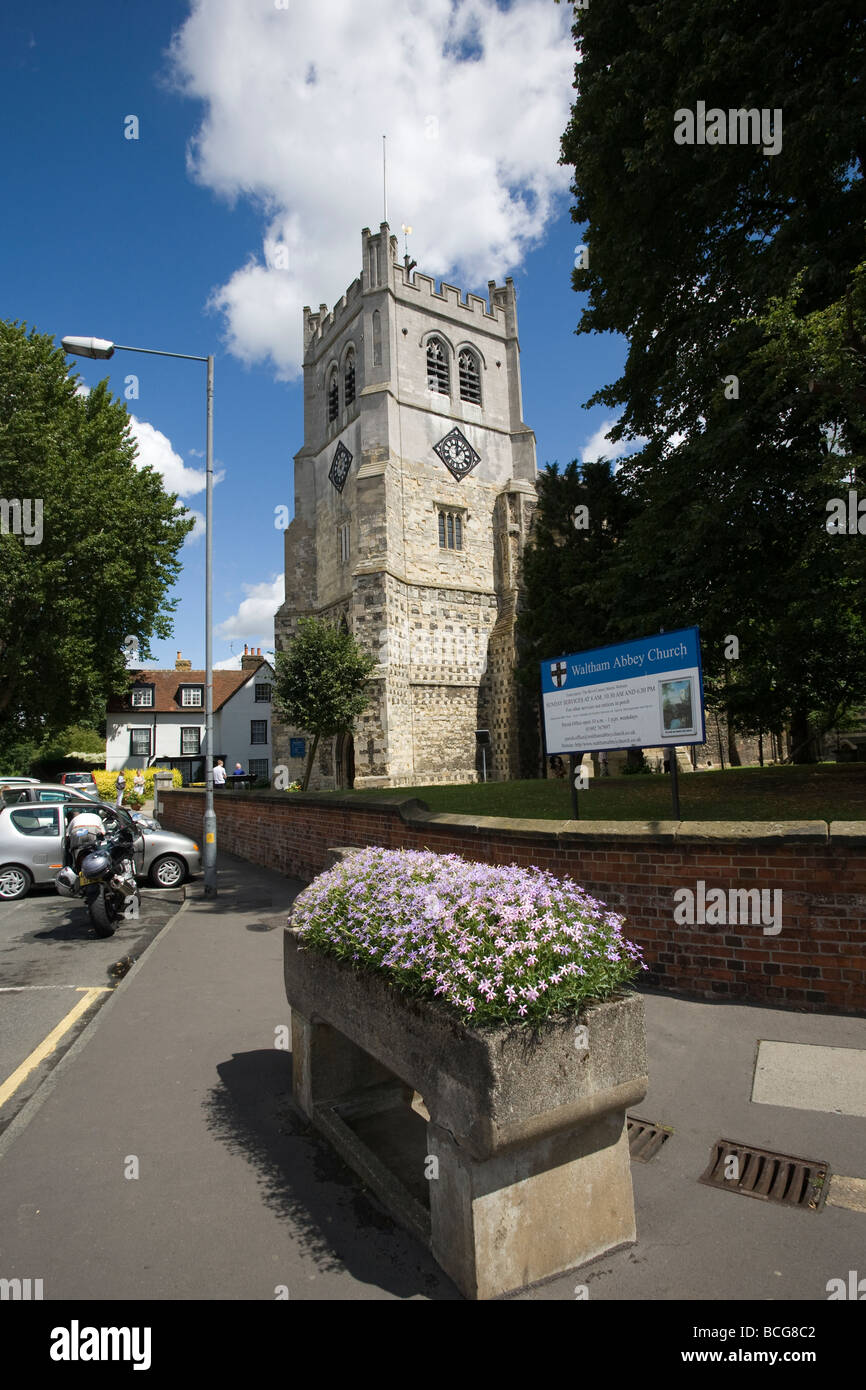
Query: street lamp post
{"type": "Point", "coordinates": [103, 348]}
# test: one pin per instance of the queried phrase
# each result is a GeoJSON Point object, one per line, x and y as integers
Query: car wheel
{"type": "Point", "coordinates": [15, 882]}
{"type": "Point", "coordinates": [168, 871]}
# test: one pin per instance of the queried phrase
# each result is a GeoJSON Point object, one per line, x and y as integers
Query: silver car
{"type": "Point", "coordinates": [33, 845]}
{"type": "Point", "coordinates": [16, 792]}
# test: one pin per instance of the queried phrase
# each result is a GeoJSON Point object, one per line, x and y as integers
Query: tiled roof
{"type": "Point", "coordinates": [167, 684]}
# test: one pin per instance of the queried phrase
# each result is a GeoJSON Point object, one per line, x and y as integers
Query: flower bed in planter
{"type": "Point", "coordinates": [415, 973]}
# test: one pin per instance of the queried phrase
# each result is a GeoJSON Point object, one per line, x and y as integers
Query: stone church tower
{"type": "Point", "coordinates": [414, 495]}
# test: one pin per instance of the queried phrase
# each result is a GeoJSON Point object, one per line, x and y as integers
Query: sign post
{"type": "Point", "coordinates": [574, 763]}
{"type": "Point", "coordinates": [642, 694]}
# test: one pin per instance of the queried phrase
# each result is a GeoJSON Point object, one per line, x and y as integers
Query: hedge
{"type": "Point", "coordinates": [106, 782]}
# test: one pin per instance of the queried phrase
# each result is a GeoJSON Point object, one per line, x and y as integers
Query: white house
{"type": "Point", "coordinates": [161, 719]}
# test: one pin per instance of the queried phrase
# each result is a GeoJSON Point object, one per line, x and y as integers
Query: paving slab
{"type": "Point", "coordinates": [805, 1077]}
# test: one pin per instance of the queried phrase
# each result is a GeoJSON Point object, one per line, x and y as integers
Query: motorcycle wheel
{"type": "Point", "coordinates": [102, 914]}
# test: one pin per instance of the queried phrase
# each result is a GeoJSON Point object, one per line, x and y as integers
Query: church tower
{"type": "Point", "coordinates": [414, 494]}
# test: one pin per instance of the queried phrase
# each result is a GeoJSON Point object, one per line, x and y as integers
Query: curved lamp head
{"type": "Point", "coordinates": [88, 347]}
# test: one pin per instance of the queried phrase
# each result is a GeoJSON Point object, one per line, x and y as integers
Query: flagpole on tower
{"type": "Point", "coordinates": [384, 183]}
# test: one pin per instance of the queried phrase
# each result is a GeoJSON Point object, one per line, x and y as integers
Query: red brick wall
{"type": "Point", "coordinates": [817, 962]}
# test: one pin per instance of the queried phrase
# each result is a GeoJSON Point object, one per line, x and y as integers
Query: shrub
{"type": "Point", "coordinates": [106, 782]}
{"type": "Point", "coordinates": [495, 944]}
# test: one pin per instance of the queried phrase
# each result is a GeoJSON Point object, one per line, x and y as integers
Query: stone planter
{"type": "Point", "coordinates": [515, 1164]}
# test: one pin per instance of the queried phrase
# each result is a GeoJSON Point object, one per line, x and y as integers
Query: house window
{"type": "Point", "coordinates": [263, 693]}
{"type": "Point", "coordinates": [190, 741]}
{"type": "Point", "coordinates": [258, 731]}
{"type": "Point", "coordinates": [333, 396]}
{"type": "Point", "coordinates": [191, 695]}
{"type": "Point", "coordinates": [258, 767]}
{"type": "Point", "coordinates": [470, 377]}
{"type": "Point", "coordinates": [344, 543]}
{"type": "Point", "coordinates": [142, 696]}
{"type": "Point", "coordinates": [437, 367]}
{"type": "Point", "coordinates": [450, 530]}
{"type": "Point", "coordinates": [139, 743]}
{"type": "Point", "coordinates": [349, 378]}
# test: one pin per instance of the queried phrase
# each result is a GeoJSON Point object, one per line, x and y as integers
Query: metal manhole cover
{"type": "Point", "coordinates": [772, 1177]}
{"type": "Point", "coordinates": [645, 1138]}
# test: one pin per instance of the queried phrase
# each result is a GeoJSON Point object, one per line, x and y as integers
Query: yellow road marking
{"type": "Point", "coordinates": [48, 1044]}
{"type": "Point", "coordinates": [847, 1192]}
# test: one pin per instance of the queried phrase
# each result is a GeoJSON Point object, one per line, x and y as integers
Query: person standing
{"type": "Point", "coordinates": [120, 786]}
{"type": "Point", "coordinates": [138, 784]}
{"type": "Point", "coordinates": [219, 773]}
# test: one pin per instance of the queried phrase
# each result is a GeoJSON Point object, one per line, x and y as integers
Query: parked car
{"type": "Point", "coordinates": [18, 781]}
{"type": "Point", "coordinates": [33, 845]}
{"type": "Point", "coordinates": [46, 792]}
{"type": "Point", "coordinates": [83, 780]}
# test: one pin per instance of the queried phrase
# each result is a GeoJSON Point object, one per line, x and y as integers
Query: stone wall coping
{"type": "Point", "coordinates": [412, 811]}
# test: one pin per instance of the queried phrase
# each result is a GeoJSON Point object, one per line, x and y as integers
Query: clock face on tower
{"type": "Point", "coordinates": [457, 454]}
{"type": "Point", "coordinates": [340, 466]}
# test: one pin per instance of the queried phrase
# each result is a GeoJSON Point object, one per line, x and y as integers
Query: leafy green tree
{"type": "Point", "coordinates": [570, 595]}
{"type": "Point", "coordinates": [734, 275]}
{"type": "Point", "coordinates": [320, 682]}
{"type": "Point", "coordinates": [100, 563]}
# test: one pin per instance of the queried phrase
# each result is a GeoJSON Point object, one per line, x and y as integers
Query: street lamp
{"type": "Point", "coordinates": [102, 348]}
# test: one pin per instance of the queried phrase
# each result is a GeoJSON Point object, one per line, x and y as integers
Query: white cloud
{"type": "Point", "coordinates": [254, 620]}
{"type": "Point", "coordinates": [156, 450]}
{"type": "Point", "coordinates": [599, 446]}
{"type": "Point", "coordinates": [473, 98]}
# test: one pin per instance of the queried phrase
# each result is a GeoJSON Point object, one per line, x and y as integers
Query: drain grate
{"type": "Point", "coordinates": [645, 1138]}
{"type": "Point", "coordinates": [772, 1177]}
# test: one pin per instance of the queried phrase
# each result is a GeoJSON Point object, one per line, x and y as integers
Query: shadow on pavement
{"type": "Point", "coordinates": [304, 1181]}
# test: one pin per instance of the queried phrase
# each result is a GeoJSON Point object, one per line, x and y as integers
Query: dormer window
{"type": "Point", "coordinates": [349, 378]}
{"type": "Point", "coordinates": [437, 367]}
{"type": "Point", "coordinates": [333, 396]}
{"type": "Point", "coordinates": [191, 695]}
{"type": "Point", "coordinates": [470, 376]}
{"type": "Point", "coordinates": [142, 697]}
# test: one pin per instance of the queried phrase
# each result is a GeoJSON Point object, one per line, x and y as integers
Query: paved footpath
{"type": "Point", "coordinates": [179, 1078]}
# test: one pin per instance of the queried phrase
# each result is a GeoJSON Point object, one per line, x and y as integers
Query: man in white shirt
{"type": "Point", "coordinates": [219, 773]}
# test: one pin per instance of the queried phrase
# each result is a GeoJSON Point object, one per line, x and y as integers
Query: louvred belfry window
{"type": "Point", "coordinates": [333, 397]}
{"type": "Point", "coordinates": [349, 379]}
{"type": "Point", "coordinates": [437, 367]}
{"type": "Point", "coordinates": [470, 377]}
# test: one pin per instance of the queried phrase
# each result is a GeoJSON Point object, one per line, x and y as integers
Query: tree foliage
{"type": "Point", "coordinates": [736, 277]}
{"type": "Point", "coordinates": [320, 682]}
{"type": "Point", "coordinates": [73, 596]}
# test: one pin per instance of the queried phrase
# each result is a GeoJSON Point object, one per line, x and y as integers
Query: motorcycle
{"type": "Point", "coordinates": [102, 872]}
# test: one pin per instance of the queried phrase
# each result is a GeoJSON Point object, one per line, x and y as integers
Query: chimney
{"type": "Point", "coordinates": [251, 659]}
{"type": "Point", "coordinates": [181, 665]}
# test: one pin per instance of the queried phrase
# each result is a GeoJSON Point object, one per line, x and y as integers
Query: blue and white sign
{"type": "Point", "coordinates": [642, 694]}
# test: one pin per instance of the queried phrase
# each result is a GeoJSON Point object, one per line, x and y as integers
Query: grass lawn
{"type": "Point", "coordinates": [825, 791]}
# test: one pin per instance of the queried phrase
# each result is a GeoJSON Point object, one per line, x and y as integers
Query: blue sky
{"type": "Point", "coordinates": [257, 162]}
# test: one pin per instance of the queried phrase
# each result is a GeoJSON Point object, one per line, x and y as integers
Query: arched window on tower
{"type": "Point", "coordinates": [437, 367]}
{"type": "Point", "coordinates": [470, 376]}
{"type": "Point", "coordinates": [333, 396]}
{"type": "Point", "coordinates": [349, 378]}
